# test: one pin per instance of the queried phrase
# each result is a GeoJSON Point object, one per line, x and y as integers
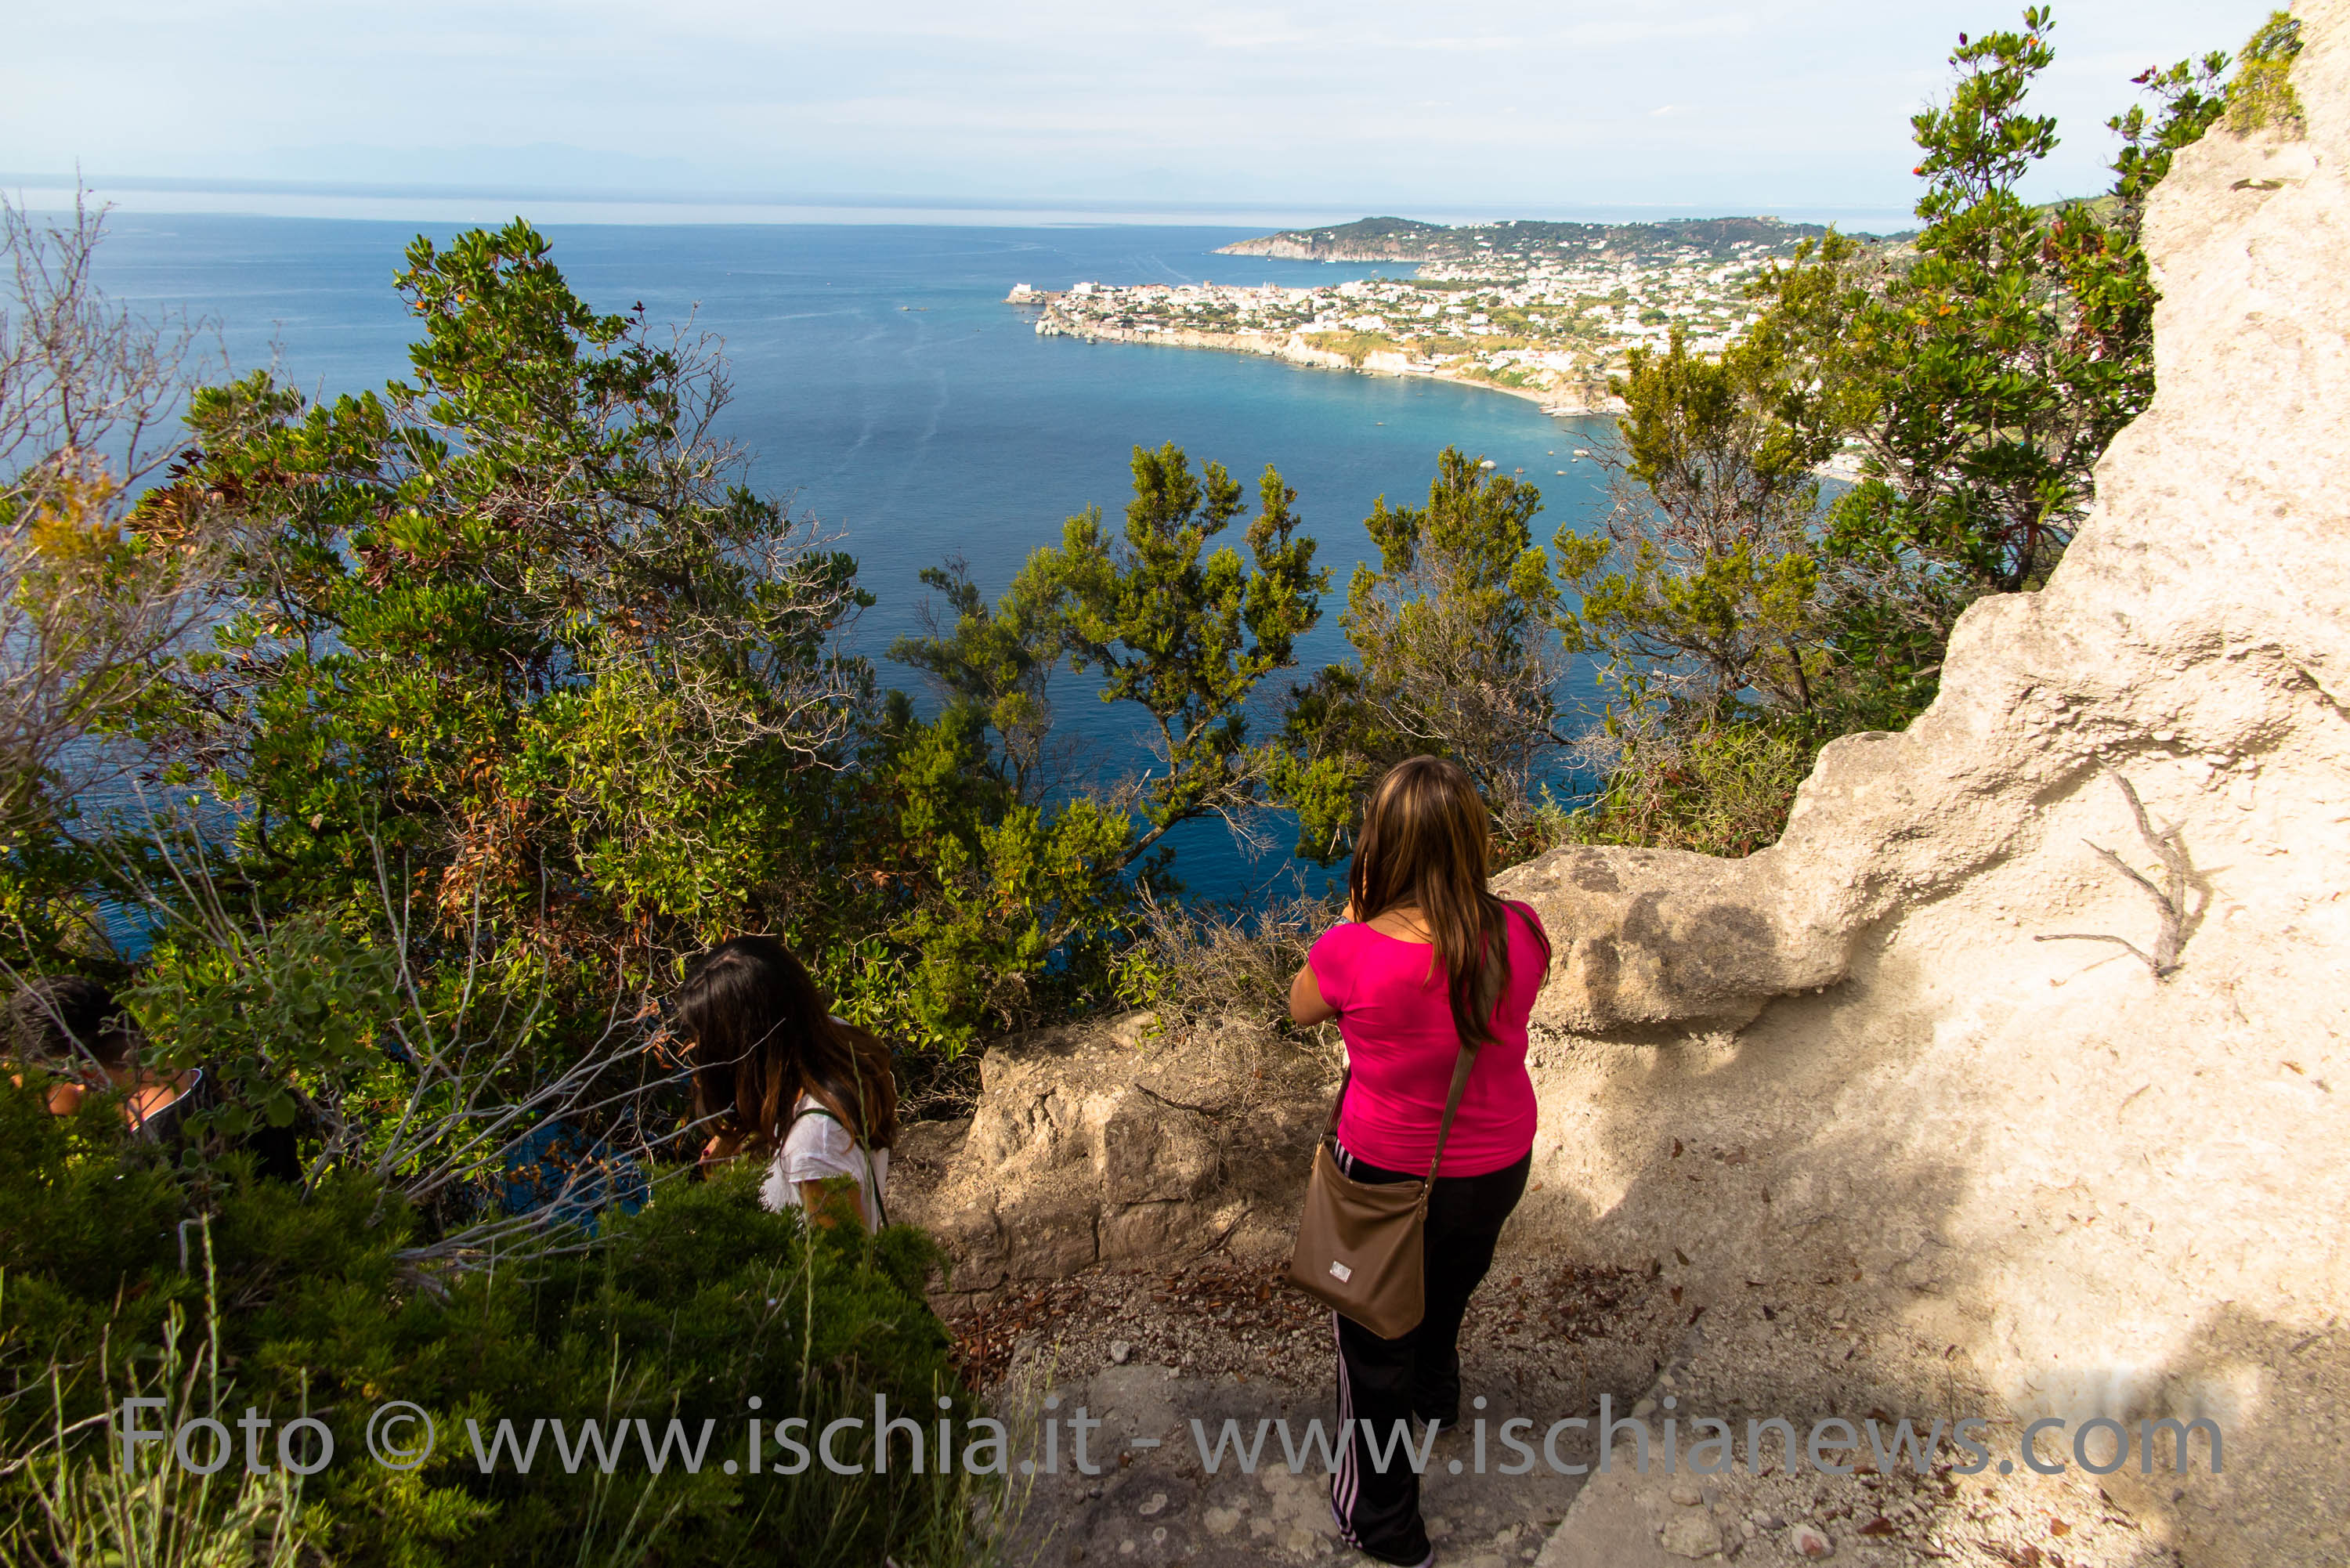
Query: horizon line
{"type": "Point", "coordinates": [1293, 216]}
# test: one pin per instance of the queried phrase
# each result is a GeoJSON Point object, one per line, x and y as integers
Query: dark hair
{"type": "Point", "coordinates": [762, 1036]}
{"type": "Point", "coordinates": [61, 1020]}
{"type": "Point", "coordinates": [1424, 845]}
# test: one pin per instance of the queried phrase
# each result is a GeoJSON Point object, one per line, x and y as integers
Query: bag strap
{"type": "Point", "coordinates": [1461, 1063]}
{"type": "Point", "coordinates": [1468, 1057]}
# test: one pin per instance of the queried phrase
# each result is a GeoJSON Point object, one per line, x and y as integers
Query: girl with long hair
{"type": "Point", "coordinates": [1425, 963]}
{"type": "Point", "coordinates": [779, 1078]}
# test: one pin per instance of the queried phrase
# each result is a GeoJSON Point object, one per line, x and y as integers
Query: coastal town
{"type": "Point", "coordinates": [1541, 310]}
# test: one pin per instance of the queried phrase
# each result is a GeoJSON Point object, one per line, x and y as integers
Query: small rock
{"type": "Point", "coordinates": [1689, 1535]}
{"type": "Point", "coordinates": [1644, 1409]}
{"type": "Point", "coordinates": [1686, 1494]}
{"type": "Point", "coordinates": [1767, 1520]}
{"type": "Point", "coordinates": [1805, 1542]}
{"type": "Point", "coordinates": [1119, 1350]}
{"type": "Point", "coordinates": [1157, 1501]}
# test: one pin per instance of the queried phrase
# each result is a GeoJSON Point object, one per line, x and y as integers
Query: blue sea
{"type": "Point", "coordinates": [889, 394]}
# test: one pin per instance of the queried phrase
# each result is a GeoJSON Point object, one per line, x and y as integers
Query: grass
{"type": "Point", "coordinates": [1355, 346]}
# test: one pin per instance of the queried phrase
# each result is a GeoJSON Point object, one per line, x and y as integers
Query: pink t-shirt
{"type": "Point", "coordinates": [1396, 1017]}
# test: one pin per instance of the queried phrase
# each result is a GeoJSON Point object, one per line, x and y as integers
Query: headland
{"type": "Point", "coordinates": [1539, 310]}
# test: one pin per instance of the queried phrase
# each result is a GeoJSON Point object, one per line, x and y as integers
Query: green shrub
{"type": "Point", "coordinates": [1355, 346]}
{"type": "Point", "coordinates": [2262, 94]}
{"type": "Point", "coordinates": [318, 1305]}
{"type": "Point", "coordinates": [1724, 790]}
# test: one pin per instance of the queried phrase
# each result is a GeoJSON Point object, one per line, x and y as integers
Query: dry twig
{"type": "Point", "coordinates": [2170, 898]}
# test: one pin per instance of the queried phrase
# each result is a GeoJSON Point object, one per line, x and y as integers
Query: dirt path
{"type": "Point", "coordinates": [1147, 1355]}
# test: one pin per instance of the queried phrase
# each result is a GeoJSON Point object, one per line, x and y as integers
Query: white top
{"type": "Point", "coordinates": [815, 1149]}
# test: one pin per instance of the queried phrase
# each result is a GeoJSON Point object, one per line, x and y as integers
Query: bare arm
{"type": "Point", "coordinates": [1307, 1004]}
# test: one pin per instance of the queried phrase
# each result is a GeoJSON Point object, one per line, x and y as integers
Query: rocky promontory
{"type": "Point", "coordinates": [1544, 311]}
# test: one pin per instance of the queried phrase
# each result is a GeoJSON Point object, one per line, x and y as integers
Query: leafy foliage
{"type": "Point", "coordinates": [1186, 636]}
{"type": "Point", "coordinates": [2004, 359]}
{"type": "Point", "coordinates": [686, 1312]}
{"type": "Point", "coordinates": [1453, 653]}
{"type": "Point", "coordinates": [1723, 788]}
{"type": "Point", "coordinates": [1017, 881]}
{"type": "Point", "coordinates": [1977, 381]}
{"type": "Point", "coordinates": [513, 624]}
{"type": "Point", "coordinates": [1704, 587]}
{"type": "Point", "coordinates": [2262, 95]}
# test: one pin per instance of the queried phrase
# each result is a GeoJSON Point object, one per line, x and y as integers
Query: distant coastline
{"type": "Point", "coordinates": [1294, 350]}
{"type": "Point", "coordinates": [1548, 312]}
{"type": "Point", "coordinates": [1372, 240]}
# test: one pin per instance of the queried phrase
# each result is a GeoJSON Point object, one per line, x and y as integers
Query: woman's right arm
{"type": "Point", "coordinates": [1306, 1002]}
{"type": "Point", "coordinates": [1309, 1002]}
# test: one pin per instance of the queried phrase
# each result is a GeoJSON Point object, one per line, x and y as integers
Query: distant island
{"type": "Point", "coordinates": [1540, 310]}
{"type": "Point", "coordinates": [1523, 240]}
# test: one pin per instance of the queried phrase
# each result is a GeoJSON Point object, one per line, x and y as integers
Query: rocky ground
{"type": "Point", "coordinates": [1148, 1352]}
{"type": "Point", "coordinates": [1775, 1356]}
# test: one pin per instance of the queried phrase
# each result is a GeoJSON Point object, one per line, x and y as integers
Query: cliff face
{"type": "Point", "coordinates": [1852, 1057]}
{"type": "Point", "coordinates": [1322, 248]}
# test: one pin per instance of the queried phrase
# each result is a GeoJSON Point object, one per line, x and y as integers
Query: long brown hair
{"type": "Point", "coordinates": [762, 1036]}
{"type": "Point", "coordinates": [1425, 844]}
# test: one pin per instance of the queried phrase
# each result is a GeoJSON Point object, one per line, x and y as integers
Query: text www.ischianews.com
{"type": "Point", "coordinates": [401, 1436]}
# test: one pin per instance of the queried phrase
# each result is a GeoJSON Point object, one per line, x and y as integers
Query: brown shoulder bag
{"type": "Point", "coordinates": [1361, 1245]}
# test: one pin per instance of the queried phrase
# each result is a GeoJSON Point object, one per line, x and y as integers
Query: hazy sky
{"type": "Point", "coordinates": [1511, 106]}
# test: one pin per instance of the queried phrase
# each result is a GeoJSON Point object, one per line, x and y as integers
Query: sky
{"type": "Point", "coordinates": [1494, 107]}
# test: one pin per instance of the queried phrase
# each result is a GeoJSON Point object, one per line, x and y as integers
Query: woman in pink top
{"type": "Point", "coordinates": [1425, 962]}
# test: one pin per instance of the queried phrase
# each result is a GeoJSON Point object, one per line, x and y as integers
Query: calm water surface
{"type": "Point", "coordinates": [886, 391]}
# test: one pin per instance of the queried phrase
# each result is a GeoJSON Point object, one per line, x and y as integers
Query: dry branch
{"type": "Point", "coordinates": [2170, 898]}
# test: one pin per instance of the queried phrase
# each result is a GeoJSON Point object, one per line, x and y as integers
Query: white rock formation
{"type": "Point", "coordinates": [1848, 1056]}
{"type": "Point", "coordinates": [1115, 1145]}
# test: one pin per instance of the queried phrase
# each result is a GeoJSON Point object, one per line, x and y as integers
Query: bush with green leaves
{"type": "Point", "coordinates": [1720, 789]}
{"type": "Point", "coordinates": [1452, 652]}
{"type": "Point", "coordinates": [1023, 879]}
{"type": "Point", "coordinates": [510, 669]}
{"type": "Point", "coordinates": [1976, 375]}
{"type": "Point", "coordinates": [117, 1275]}
{"type": "Point", "coordinates": [2262, 95]}
{"type": "Point", "coordinates": [515, 624]}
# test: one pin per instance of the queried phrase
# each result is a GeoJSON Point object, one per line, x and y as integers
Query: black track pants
{"type": "Point", "coordinates": [1384, 1382]}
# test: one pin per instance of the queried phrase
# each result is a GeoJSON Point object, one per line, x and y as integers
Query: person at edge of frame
{"type": "Point", "coordinates": [70, 1031]}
